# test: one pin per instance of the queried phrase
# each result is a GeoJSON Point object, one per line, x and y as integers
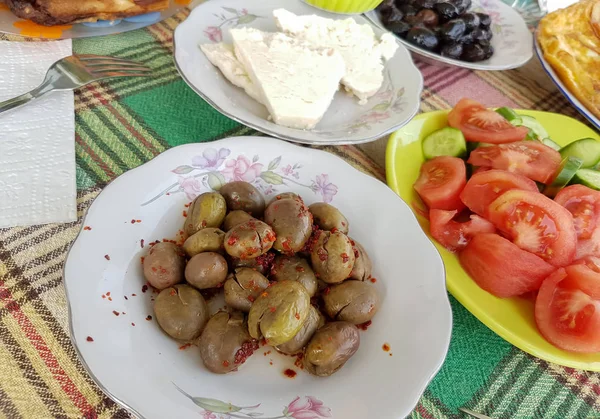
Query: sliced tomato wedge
{"type": "Point", "coordinates": [502, 268]}
{"type": "Point", "coordinates": [589, 247]}
{"type": "Point", "coordinates": [584, 204]}
{"type": "Point", "coordinates": [485, 187]}
{"type": "Point", "coordinates": [452, 234]}
{"type": "Point", "coordinates": [441, 181]}
{"type": "Point", "coordinates": [480, 124]}
{"type": "Point", "coordinates": [528, 158]}
{"type": "Point", "coordinates": [537, 224]}
{"type": "Point", "coordinates": [567, 309]}
{"type": "Point", "coordinates": [592, 262]}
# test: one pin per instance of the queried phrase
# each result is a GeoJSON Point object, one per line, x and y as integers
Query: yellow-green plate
{"type": "Point", "coordinates": [511, 318]}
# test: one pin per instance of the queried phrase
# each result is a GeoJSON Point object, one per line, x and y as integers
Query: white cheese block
{"type": "Point", "coordinates": [222, 56]}
{"type": "Point", "coordinates": [296, 80]}
{"type": "Point", "coordinates": [358, 45]}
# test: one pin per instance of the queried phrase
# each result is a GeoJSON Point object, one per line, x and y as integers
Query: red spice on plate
{"type": "Point", "coordinates": [134, 295]}
{"type": "Point", "coordinates": [184, 347]}
{"type": "Point", "coordinates": [89, 339]}
{"type": "Point", "coordinates": [106, 257]}
{"type": "Point", "coordinates": [149, 317]}
{"type": "Point", "coordinates": [87, 228]}
{"type": "Point", "coordinates": [290, 373]}
{"type": "Point", "coordinates": [184, 213]}
{"type": "Point", "coordinates": [144, 288]}
{"type": "Point", "coordinates": [386, 347]}
{"type": "Point", "coordinates": [133, 324]}
{"type": "Point", "coordinates": [125, 297]}
{"type": "Point", "coordinates": [373, 280]}
{"type": "Point", "coordinates": [132, 221]}
{"type": "Point", "coordinates": [103, 296]}
{"type": "Point", "coordinates": [116, 313]}
{"type": "Point", "coordinates": [142, 243]}
{"type": "Point", "coordinates": [108, 294]}
{"type": "Point", "coordinates": [245, 352]}
{"type": "Point", "coordinates": [109, 298]}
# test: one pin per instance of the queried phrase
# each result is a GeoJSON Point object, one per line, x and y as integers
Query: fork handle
{"type": "Point", "coordinates": [23, 99]}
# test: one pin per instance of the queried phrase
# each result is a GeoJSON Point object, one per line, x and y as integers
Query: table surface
{"type": "Point", "coordinates": [121, 124]}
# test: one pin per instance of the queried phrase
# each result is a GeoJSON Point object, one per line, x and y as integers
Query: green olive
{"type": "Point", "coordinates": [330, 348]}
{"type": "Point", "coordinates": [207, 210]}
{"type": "Point", "coordinates": [363, 266]}
{"type": "Point", "coordinates": [164, 265]}
{"type": "Point", "coordinates": [206, 240]}
{"type": "Point", "coordinates": [352, 301]}
{"type": "Point", "coordinates": [332, 257]}
{"type": "Point", "coordinates": [243, 196]}
{"type": "Point", "coordinates": [249, 240]}
{"type": "Point", "coordinates": [235, 218]}
{"type": "Point", "coordinates": [329, 218]}
{"type": "Point", "coordinates": [225, 343]}
{"type": "Point", "coordinates": [285, 195]}
{"type": "Point", "coordinates": [314, 321]}
{"type": "Point", "coordinates": [292, 222]}
{"type": "Point", "coordinates": [206, 270]}
{"type": "Point", "coordinates": [242, 288]}
{"type": "Point", "coordinates": [181, 312]}
{"type": "Point", "coordinates": [279, 312]}
{"type": "Point", "coordinates": [293, 268]}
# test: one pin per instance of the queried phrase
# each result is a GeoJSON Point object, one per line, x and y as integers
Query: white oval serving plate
{"type": "Point", "coordinates": [141, 368]}
{"type": "Point", "coordinates": [346, 122]}
{"type": "Point", "coordinates": [564, 90]}
{"type": "Point", "coordinates": [512, 40]}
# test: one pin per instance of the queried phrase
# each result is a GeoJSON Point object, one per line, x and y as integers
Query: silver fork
{"type": "Point", "coordinates": [75, 71]}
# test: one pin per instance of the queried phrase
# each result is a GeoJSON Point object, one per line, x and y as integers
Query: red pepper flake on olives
{"type": "Point", "coordinates": [290, 373]}
{"type": "Point", "coordinates": [184, 347]}
{"type": "Point", "coordinates": [365, 325]}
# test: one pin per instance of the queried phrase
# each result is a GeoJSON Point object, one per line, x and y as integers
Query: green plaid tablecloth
{"type": "Point", "coordinates": [121, 124]}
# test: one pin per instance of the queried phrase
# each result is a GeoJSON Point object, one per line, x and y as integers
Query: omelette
{"type": "Point", "coordinates": [60, 12]}
{"type": "Point", "coordinates": [570, 41]}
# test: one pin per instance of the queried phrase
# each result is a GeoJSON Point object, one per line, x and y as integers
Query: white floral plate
{"type": "Point", "coordinates": [512, 40]}
{"type": "Point", "coordinates": [142, 369]}
{"type": "Point", "coordinates": [346, 122]}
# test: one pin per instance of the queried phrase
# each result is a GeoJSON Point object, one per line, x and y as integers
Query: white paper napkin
{"type": "Point", "coordinates": [37, 150]}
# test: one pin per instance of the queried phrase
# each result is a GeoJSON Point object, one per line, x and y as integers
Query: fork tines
{"type": "Point", "coordinates": [112, 67]}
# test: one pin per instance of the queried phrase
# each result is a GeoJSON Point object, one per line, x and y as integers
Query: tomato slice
{"type": "Point", "coordinates": [537, 224]}
{"type": "Point", "coordinates": [589, 247]}
{"type": "Point", "coordinates": [567, 309]}
{"type": "Point", "coordinates": [501, 268]}
{"type": "Point", "coordinates": [440, 182]}
{"type": "Point", "coordinates": [452, 234]}
{"type": "Point", "coordinates": [528, 158]}
{"type": "Point", "coordinates": [478, 123]}
{"type": "Point", "coordinates": [592, 262]}
{"type": "Point", "coordinates": [485, 187]}
{"type": "Point", "coordinates": [584, 204]}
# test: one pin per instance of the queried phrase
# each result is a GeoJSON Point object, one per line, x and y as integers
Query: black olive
{"type": "Point", "coordinates": [424, 4]}
{"type": "Point", "coordinates": [466, 38]}
{"type": "Point", "coordinates": [428, 17]}
{"type": "Point", "coordinates": [394, 15]}
{"type": "Point", "coordinates": [446, 11]}
{"type": "Point", "coordinates": [485, 21]}
{"type": "Point", "coordinates": [452, 50]}
{"type": "Point", "coordinates": [488, 51]}
{"type": "Point", "coordinates": [452, 30]}
{"type": "Point", "coordinates": [399, 28]}
{"type": "Point", "coordinates": [479, 34]}
{"type": "Point", "coordinates": [462, 5]}
{"type": "Point", "coordinates": [473, 52]}
{"type": "Point", "coordinates": [386, 3]}
{"type": "Point", "coordinates": [401, 2]}
{"type": "Point", "coordinates": [407, 10]}
{"type": "Point", "coordinates": [471, 19]}
{"type": "Point", "coordinates": [423, 37]}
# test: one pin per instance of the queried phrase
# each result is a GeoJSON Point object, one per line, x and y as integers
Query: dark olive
{"type": "Point", "coordinates": [446, 11]}
{"type": "Point", "coordinates": [471, 20]}
{"type": "Point", "coordinates": [424, 4]}
{"type": "Point", "coordinates": [473, 53]}
{"type": "Point", "coordinates": [164, 265]}
{"type": "Point", "coordinates": [352, 301]}
{"type": "Point", "coordinates": [428, 17]}
{"type": "Point", "coordinates": [242, 288]}
{"type": "Point", "coordinates": [181, 312]}
{"type": "Point", "coordinates": [206, 270]}
{"type": "Point", "coordinates": [481, 35]}
{"type": "Point", "coordinates": [466, 38]}
{"type": "Point", "coordinates": [485, 21]}
{"type": "Point", "coordinates": [407, 10]}
{"type": "Point", "coordinates": [452, 30]}
{"type": "Point", "coordinates": [399, 28]}
{"type": "Point", "coordinates": [243, 196]}
{"type": "Point", "coordinates": [461, 5]}
{"type": "Point", "coordinates": [391, 15]}
{"type": "Point", "coordinates": [423, 37]}
{"type": "Point", "coordinates": [488, 51]}
{"type": "Point", "coordinates": [452, 50]}
{"type": "Point", "coordinates": [330, 348]}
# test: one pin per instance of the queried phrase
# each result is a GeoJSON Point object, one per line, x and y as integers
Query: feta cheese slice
{"type": "Point", "coordinates": [358, 45]}
{"type": "Point", "coordinates": [297, 80]}
{"type": "Point", "coordinates": [221, 55]}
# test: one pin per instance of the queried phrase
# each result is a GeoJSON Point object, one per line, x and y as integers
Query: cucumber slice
{"type": "Point", "coordinates": [508, 114]}
{"type": "Point", "coordinates": [588, 177]}
{"type": "Point", "coordinates": [587, 149]}
{"type": "Point", "coordinates": [533, 124]}
{"type": "Point", "coordinates": [566, 171]}
{"type": "Point", "coordinates": [551, 144]}
{"type": "Point", "coordinates": [444, 142]}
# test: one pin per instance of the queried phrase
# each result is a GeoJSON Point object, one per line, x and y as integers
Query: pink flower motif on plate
{"type": "Point", "coordinates": [191, 186]}
{"type": "Point", "coordinates": [211, 158]}
{"type": "Point", "coordinates": [208, 415]}
{"type": "Point", "coordinates": [307, 408]}
{"type": "Point", "coordinates": [241, 169]}
{"type": "Point", "coordinates": [376, 117]}
{"type": "Point", "coordinates": [327, 189]}
{"type": "Point", "coordinates": [214, 33]}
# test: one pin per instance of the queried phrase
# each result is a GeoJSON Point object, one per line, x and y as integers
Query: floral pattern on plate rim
{"type": "Point", "coordinates": [239, 17]}
{"type": "Point", "coordinates": [499, 26]}
{"type": "Point", "coordinates": [214, 168]}
{"type": "Point", "coordinates": [306, 407]}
